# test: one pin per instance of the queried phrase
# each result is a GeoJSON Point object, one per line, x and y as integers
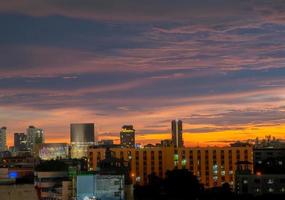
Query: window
{"type": "Point", "coordinates": [270, 181]}
{"type": "Point", "coordinates": [257, 180]}
{"type": "Point", "coordinates": [117, 194]}
{"type": "Point", "coordinates": [116, 182]}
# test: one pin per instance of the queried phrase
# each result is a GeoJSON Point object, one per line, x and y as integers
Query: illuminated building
{"type": "Point", "coordinates": [127, 136]}
{"type": "Point", "coordinates": [49, 151]}
{"type": "Point", "coordinates": [81, 136]}
{"type": "Point", "coordinates": [176, 128]}
{"type": "Point", "coordinates": [3, 139]}
{"type": "Point", "coordinates": [212, 165]}
{"type": "Point", "coordinates": [20, 141]}
{"type": "Point", "coordinates": [35, 136]}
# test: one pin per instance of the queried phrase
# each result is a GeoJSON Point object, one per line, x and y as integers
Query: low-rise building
{"type": "Point", "coordinates": [212, 165]}
{"type": "Point", "coordinates": [269, 170]}
{"type": "Point", "coordinates": [18, 192]}
{"type": "Point", "coordinates": [53, 151]}
{"type": "Point", "coordinates": [100, 186]}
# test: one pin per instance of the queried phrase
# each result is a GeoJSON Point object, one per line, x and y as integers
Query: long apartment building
{"type": "Point", "coordinates": [212, 165]}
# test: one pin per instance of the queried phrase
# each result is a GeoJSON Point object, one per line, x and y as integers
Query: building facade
{"type": "Point", "coordinates": [177, 133]}
{"type": "Point", "coordinates": [53, 185]}
{"type": "Point", "coordinates": [212, 165]}
{"type": "Point", "coordinates": [3, 139]}
{"type": "Point", "coordinates": [100, 186]}
{"type": "Point", "coordinates": [269, 171]}
{"type": "Point", "coordinates": [18, 192]}
{"type": "Point", "coordinates": [127, 136]}
{"type": "Point", "coordinates": [53, 151]}
{"type": "Point", "coordinates": [35, 136]}
{"type": "Point", "coordinates": [81, 137]}
{"type": "Point", "coordinates": [259, 184]}
{"type": "Point", "coordinates": [20, 141]}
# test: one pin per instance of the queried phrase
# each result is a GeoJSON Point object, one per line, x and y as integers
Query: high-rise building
{"type": "Point", "coordinates": [3, 139]}
{"type": "Point", "coordinates": [82, 135]}
{"type": "Point", "coordinates": [20, 141]}
{"type": "Point", "coordinates": [34, 136]}
{"type": "Point", "coordinates": [127, 136]}
{"type": "Point", "coordinates": [177, 138]}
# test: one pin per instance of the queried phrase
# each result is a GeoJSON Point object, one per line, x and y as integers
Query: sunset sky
{"type": "Point", "coordinates": [219, 65]}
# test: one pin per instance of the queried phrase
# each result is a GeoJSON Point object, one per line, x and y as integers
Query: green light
{"type": "Point", "coordinates": [175, 157]}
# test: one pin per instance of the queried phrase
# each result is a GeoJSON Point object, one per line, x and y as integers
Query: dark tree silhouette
{"type": "Point", "coordinates": [181, 184]}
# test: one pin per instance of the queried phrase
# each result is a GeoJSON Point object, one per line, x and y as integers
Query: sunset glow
{"type": "Point", "coordinates": [219, 68]}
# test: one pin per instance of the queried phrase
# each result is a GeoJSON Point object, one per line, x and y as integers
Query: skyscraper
{"type": "Point", "coordinates": [177, 138]}
{"type": "Point", "coordinates": [3, 139]}
{"type": "Point", "coordinates": [34, 136]}
{"type": "Point", "coordinates": [20, 141]}
{"type": "Point", "coordinates": [127, 136]}
{"type": "Point", "coordinates": [81, 137]}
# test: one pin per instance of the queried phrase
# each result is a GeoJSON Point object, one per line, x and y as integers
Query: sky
{"type": "Point", "coordinates": [219, 65]}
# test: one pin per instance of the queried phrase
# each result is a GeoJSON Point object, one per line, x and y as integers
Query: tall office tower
{"type": "Point", "coordinates": [81, 137]}
{"type": "Point", "coordinates": [127, 136]}
{"type": "Point", "coordinates": [3, 139]}
{"type": "Point", "coordinates": [177, 138]}
{"type": "Point", "coordinates": [34, 136]}
{"type": "Point", "coordinates": [20, 141]}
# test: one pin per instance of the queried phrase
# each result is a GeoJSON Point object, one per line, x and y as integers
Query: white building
{"type": "Point", "coordinates": [97, 186]}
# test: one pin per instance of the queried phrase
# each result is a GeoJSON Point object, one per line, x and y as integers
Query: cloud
{"type": "Point", "coordinates": [240, 117]}
{"type": "Point", "coordinates": [126, 9]}
{"type": "Point", "coordinates": [218, 65]}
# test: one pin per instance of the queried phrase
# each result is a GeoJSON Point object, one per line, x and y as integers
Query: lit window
{"type": "Point", "coordinates": [175, 157]}
{"type": "Point", "coordinates": [270, 190]}
{"type": "Point", "coordinates": [245, 181]}
{"type": "Point", "coordinates": [138, 179]}
{"type": "Point", "coordinates": [270, 181]}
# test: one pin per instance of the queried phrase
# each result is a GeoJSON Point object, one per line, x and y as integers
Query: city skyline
{"type": "Point", "coordinates": [218, 66]}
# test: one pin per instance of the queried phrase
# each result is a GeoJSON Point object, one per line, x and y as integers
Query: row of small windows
{"type": "Point", "coordinates": [191, 156]}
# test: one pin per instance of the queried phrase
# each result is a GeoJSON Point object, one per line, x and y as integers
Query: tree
{"type": "Point", "coordinates": [181, 184]}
